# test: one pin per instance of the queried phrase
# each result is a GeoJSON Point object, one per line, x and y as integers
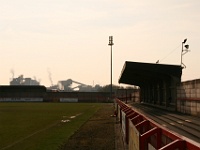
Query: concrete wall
{"type": "Point", "coordinates": [188, 97]}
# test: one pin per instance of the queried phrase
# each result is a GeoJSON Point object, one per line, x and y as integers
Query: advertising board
{"type": "Point", "coordinates": [21, 99]}
{"type": "Point", "coordinates": [68, 100]}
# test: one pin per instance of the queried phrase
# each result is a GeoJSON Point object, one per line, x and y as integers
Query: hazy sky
{"type": "Point", "coordinates": [69, 38]}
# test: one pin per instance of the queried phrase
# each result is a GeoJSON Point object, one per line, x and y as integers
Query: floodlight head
{"type": "Point", "coordinates": [111, 41]}
{"type": "Point", "coordinates": [184, 41]}
{"type": "Point", "coordinates": [187, 46]}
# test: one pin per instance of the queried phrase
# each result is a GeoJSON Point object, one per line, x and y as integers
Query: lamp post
{"type": "Point", "coordinates": [183, 52]}
{"type": "Point", "coordinates": [111, 44]}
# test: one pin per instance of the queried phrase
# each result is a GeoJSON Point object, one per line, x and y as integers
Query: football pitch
{"type": "Point", "coordinates": [41, 126]}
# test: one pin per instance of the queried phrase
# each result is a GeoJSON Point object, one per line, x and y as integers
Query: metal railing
{"type": "Point", "coordinates": [142, 133]}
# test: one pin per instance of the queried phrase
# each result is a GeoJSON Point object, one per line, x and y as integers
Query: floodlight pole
{"type": "Point", "coordinates": [111, 44]}
{"type": "Point", "coordinates": [183, 52]}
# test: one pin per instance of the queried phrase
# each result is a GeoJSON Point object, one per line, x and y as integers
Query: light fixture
{"type": "Point", "coordinates": [183, 52]}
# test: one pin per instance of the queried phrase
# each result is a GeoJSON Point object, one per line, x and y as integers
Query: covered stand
{"type": "Point", "coordinates": [158, 82]}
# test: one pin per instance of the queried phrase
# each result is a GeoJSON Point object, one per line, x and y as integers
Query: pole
{"type": "Point", "coordinates": [111, 44]}
{"type": "Point", "coordinates": [182, 54]}
{"type": "Point", "coordinates": [111, 75]}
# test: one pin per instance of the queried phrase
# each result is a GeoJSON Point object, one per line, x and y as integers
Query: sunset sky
{"type": "Point", "coordinates": [68, 39]}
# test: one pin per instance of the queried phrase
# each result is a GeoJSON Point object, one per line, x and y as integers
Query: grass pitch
{"type": "Point", "coordinates": [41, 126]}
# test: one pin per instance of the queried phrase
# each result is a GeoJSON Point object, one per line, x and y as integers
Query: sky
{"type": "Point", "coordinates": [68, 39]}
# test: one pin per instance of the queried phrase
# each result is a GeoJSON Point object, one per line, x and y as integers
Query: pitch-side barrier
{"type": "Point", "coordinates": [142, 133]}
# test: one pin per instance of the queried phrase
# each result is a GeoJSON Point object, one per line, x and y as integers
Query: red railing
{"type": "Point", "coordinates": [142, 133]}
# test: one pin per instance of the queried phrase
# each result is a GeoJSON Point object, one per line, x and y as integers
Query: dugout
{"type": "Point", "coordinates": [158, 82]}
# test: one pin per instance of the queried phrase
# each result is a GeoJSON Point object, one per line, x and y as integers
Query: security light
{"type": "Point", "coordinates": [187, 46]}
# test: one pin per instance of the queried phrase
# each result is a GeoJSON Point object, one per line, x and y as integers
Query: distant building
{"type": "Point", "coordinates": [23, 81]}
{"type": "Point", "coordinates": [66, 85]}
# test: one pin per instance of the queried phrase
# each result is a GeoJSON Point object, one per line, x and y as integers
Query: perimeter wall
{"type": "Point", "coordinates": [188, 97]}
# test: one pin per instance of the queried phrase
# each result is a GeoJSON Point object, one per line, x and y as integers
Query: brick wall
{"type": "Point", "coordinates": [188, 97]}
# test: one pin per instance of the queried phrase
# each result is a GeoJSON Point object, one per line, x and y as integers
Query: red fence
{"type": "Point", "coordinates": [142, 133]}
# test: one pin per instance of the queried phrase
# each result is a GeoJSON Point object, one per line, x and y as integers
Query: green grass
{"type": "Point", "coordinates": [38, 126]}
